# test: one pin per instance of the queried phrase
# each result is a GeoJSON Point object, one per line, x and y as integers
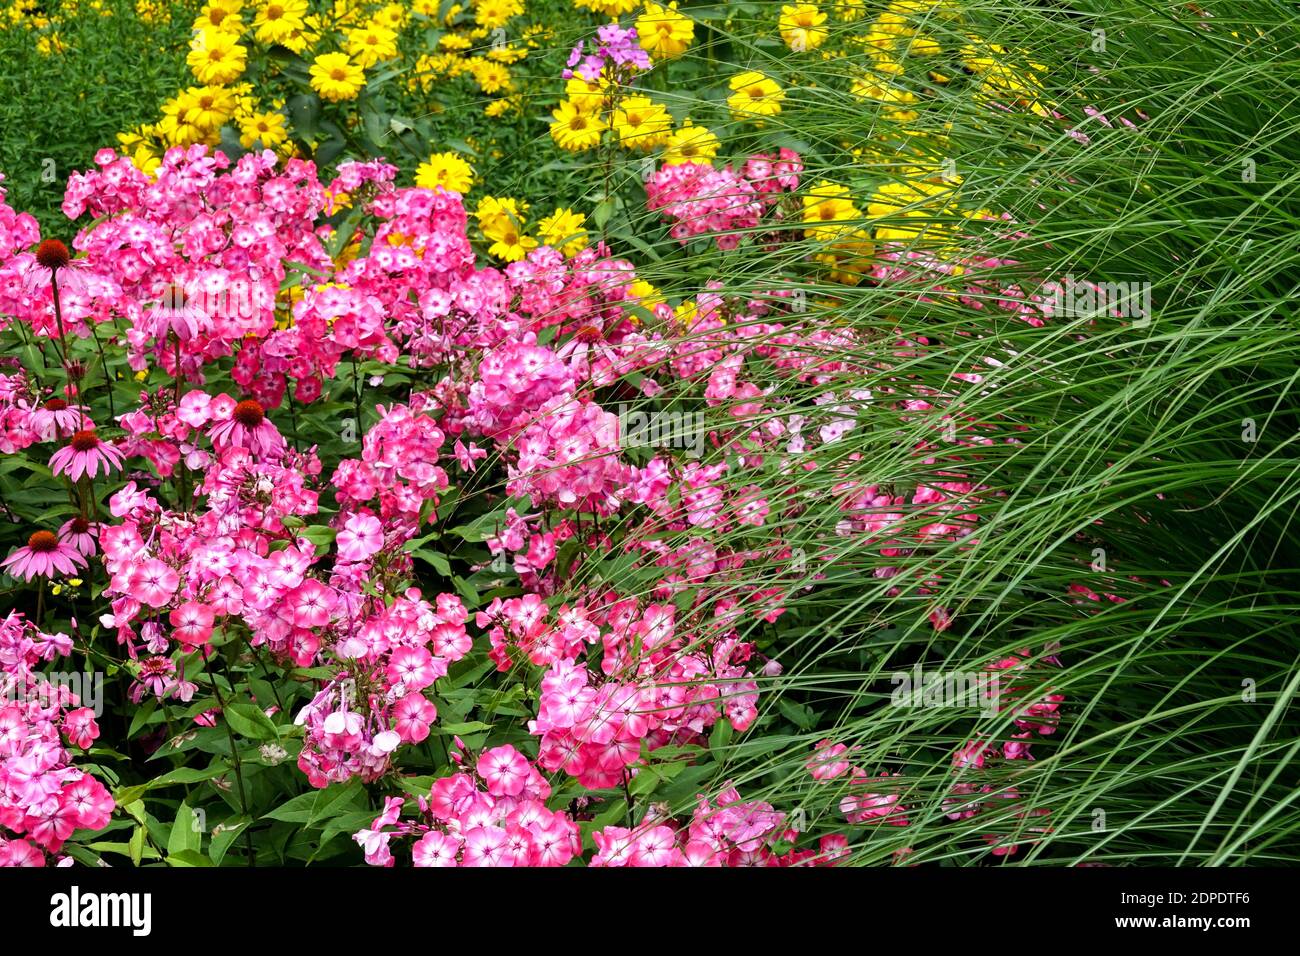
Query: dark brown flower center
{"type": "Point", "coordinates": [56, 404]}
{"type": "Point", "coordinates": [249, 413]}
{"type": "Point", "coordinates": [589, 334]}
{"type": "Point", "coordinates": [53, 254]}
{"type": "Point", "coordinates": [80, 525]}
{"type": "Point", "coordinates": [85, 440]}
{"type": "Point", "coordinates": [43, 542]}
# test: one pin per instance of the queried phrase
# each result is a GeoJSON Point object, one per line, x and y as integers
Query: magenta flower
{"type": "Point", "coordinates": [310, 604]}
{"type": "Point", "coordinates": [44, 555]}
{"type": "Point", "coordinates": [80, 728]}
{"type": "Point", "coordinates": [436, 849]}
{"type": "Point", "coordinates": [412, 667]}
{"type": "Point", "coordinates": [505, 770]}
{"type": "Point", "coordinates": [414, 714]}
{"type": "Point", "coordinates": [83, 455]}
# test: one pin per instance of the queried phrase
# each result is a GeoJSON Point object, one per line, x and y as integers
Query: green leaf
{"type": "Point", "coordinates": [187, 830]}
{"type": "Point", "coordinates": [438, 561]}
{"type": "Point", "coordinates": [317, 805]}
{"type": "Point", "coordinates": [141, 717]}
{"type": "Point", "coordinates": [134, 808]}
{"type": "Point", "coordinates": [248, 720]}
{"type": "Point", "coordinates": [601, 212]}
{"type": "Point", "coordinates": [136, 848]}
{"type": "Point", "coordinates": [188, 858]}
{"type": "Point", "coordinates": [645, 782]}
{"type": "Point", "coordinates": [320, 535]}
{"type": "Point", "coordinates": [470, 727]}
{"type": "Point", "coordinates": [223, 836]}
{"type": "Point", "coordinates": [721, 735]}
{"type": "Point", "coordinates": [800, 715]}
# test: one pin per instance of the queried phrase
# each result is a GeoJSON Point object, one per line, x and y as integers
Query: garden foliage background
{"type": "Point", "coordinates": [449, 445]}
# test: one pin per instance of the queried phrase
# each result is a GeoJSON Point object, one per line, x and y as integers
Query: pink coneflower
{"type": "Point", "coordinates": [177, 313]}
{"type": "Point", "coordinates": [53, 254]}
{"type": "Point", "coordinates": [247, 427]}
{"type": "Point", "coordinates": [83, 454]}
{"type": "Point", "coordinates": [80, 533]}
{"type": "Point", "coordinates": [156, 676]}
{"type": "Point", "coordinates": [587, 346]}
{"type": "Point", "coordinates": [57, 419]}
{"type": "Point", "coordinates": [44, 555]}
{"type": "Point", "coordinates": [53, 257]}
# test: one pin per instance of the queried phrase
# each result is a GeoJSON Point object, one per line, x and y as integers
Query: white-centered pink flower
{"type": "Point", "coordinates": [362, 536]}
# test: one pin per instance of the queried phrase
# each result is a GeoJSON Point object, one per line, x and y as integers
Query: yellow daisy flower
{"type": "Point", "coordinates": [216, 58]}
{"type": "Point", "coordinates": [447, 170]}
{"type": "Point", "coordinates": [576, 129]}
{"type": "Point", "coordinates": [336, 78]}
{"type": "Point", "coordinates": [564, 230]}
{"type": "Point", "coordinates": [641, 123]}
{"type": "Point", "coordinates": [754, 95]}
{"type": "Point", "coordinates": [663, 32]}
{"type": "Point", "coordinates": [801, 26]}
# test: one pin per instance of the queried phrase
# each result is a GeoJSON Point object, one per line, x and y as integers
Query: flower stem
{"type": "Point", "coordinates": [108, 378]}
{"type": "Point", "coordinates": [234, 755]}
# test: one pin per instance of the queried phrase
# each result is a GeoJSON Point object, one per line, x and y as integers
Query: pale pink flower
{"type": "Point", "coordinates": [193, 623]}
{"type": "Point", "coordinates": [153, 582]}
{"type": "Point", "coordinates": [361, 537]}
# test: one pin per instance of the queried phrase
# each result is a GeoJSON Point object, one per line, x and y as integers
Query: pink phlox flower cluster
{"type": "Point", "coordinates": [196, 254]}
{"type": "Point", "coordinates": [698, 199]}
{"type": "Point", "coordinates": [353, 176]}
{"type": "Point", "coordinates": [491, 814]}
{"type": "Point", "coordinates": [656, 686]}
{"type": "Point", "coordinates": [399, 467]}
{"type": "Point", "coordinates": [725, 832]}
{"type": "Point", "coordinates": [569, 456]}
{"type": "Point", "coordinates": [514, 382]}
{"type": "Point", "coordinates": [18, 232]}
{"type": "Point", "coordinates": [376, 703]}
{"type": "Point", "coordinates": [43, 797]}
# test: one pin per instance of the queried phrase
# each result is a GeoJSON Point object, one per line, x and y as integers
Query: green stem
{"type": "Point", "coordinates": [108, 378]}
{"type": "Point", "coordinates": [238, 764]}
